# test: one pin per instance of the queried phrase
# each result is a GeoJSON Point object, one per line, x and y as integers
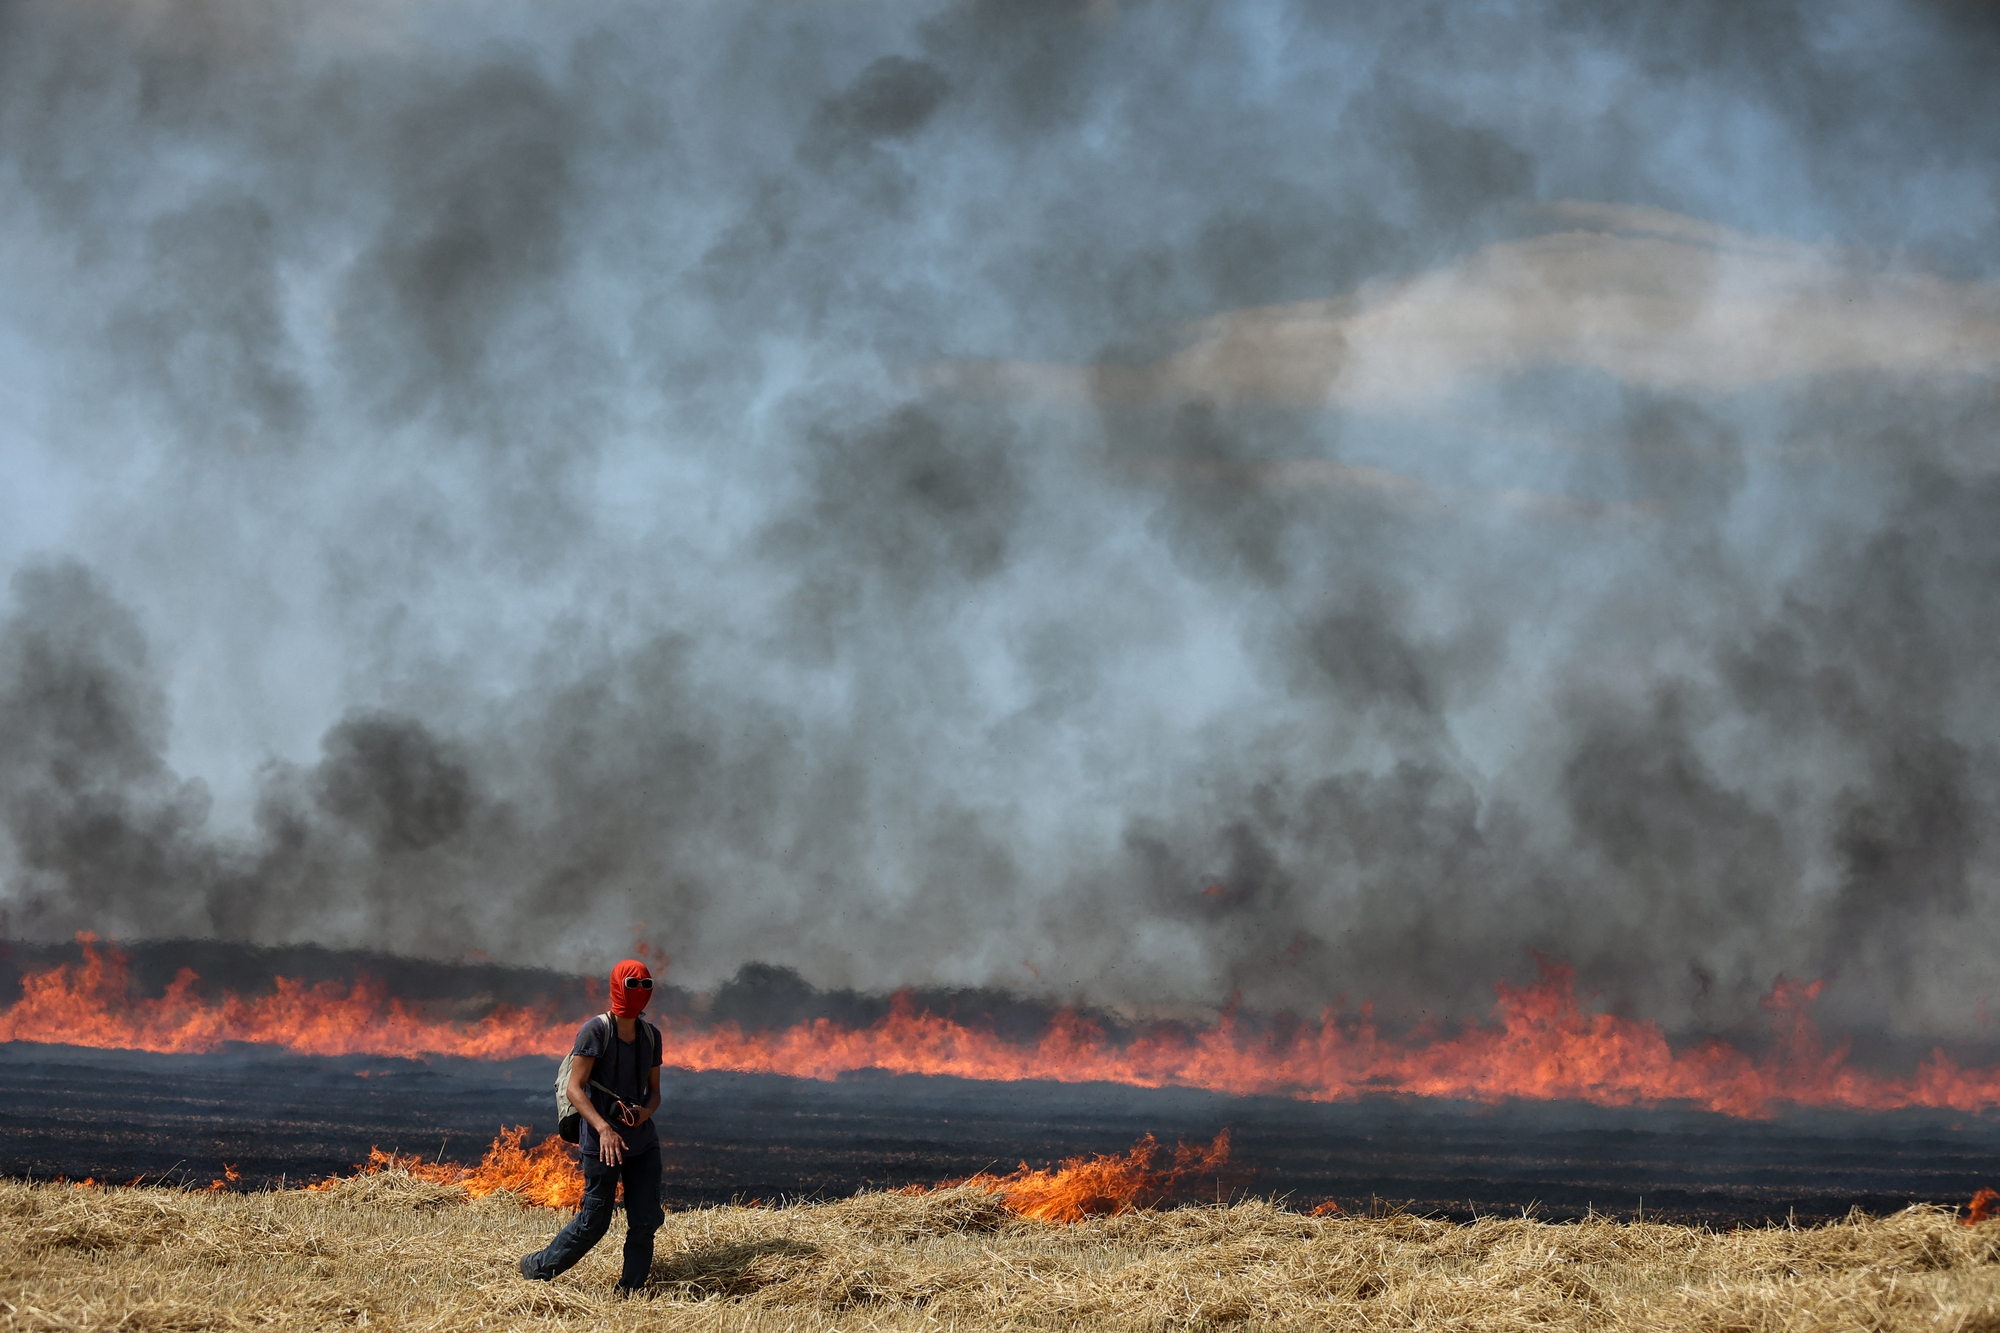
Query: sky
{"type": "Point", "coordinates": [1153, 505]}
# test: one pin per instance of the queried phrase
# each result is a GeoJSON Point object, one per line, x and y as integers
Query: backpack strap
{"type": "Point", "coordinates": [603, 1055]}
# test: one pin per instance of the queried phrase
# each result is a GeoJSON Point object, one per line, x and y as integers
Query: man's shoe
{"type": "Point", "coordinates": [530, 1270]}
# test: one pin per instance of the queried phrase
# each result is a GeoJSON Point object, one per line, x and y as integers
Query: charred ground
{"type": "Point", "coordinates": [116, 1115]}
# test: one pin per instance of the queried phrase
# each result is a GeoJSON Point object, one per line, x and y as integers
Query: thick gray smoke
{"type": "Point", "coordinates": [1128, 502]}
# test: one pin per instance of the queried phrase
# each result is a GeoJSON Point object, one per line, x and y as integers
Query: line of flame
{"type": "Point", "coordinates": [1540, 1044]}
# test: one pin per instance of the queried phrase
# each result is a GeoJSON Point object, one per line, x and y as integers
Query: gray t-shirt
{"type": "Point", "coordinates": [625, 1069]}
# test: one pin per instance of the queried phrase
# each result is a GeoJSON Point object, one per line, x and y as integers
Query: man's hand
{"type": "Point", "coordinates": [610, 1144]}
{"type": "Point", "coordinates": [634, 1116]}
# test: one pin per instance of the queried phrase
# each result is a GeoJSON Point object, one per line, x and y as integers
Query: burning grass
{"type": "Point", "coordinates": [545, 1175]}
{"type": "Point", "coordinates": [1103, 1185]}
{"type": "Point", "coordinates": [1542, 1041]}
{"type": "Point", "coordinates": [387, 1249]}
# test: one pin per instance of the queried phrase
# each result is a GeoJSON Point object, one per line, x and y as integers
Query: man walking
{"type": "Point", "coordinates": [614, 1074]}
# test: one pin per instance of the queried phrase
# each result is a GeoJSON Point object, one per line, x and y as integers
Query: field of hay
{"type": "Point", "coordinates": [391, 1251]}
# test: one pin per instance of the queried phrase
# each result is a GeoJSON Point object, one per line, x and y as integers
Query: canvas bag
{"type": "Point", "coordinates": [569, 1120]}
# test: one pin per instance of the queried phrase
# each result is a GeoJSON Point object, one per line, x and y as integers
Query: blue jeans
{"type": "Point", "coordinates": [643, 1215]}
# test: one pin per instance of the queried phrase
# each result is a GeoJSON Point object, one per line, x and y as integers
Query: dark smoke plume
{"type": "Point", "coordinates": [1124, 502]}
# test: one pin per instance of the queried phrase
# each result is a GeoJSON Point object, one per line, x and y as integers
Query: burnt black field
{"type": "Point", "coordinates": [280, 1118]}
{"type": "Point", "coordinates": [283, 1118]}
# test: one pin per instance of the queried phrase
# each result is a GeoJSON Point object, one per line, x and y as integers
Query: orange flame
{"type": "Point", "coordinates": [1106, 1184]}
{"type": "Point", "coordinates": [327, 1019]}
{"type": "Point", "coordinates": [545, 1176]}
{"type": "Point", "coordinates": [230, 1175]}
{"type": "Point", "coordinates": [1982, 1207]}
{"type": "Point", "coordinates": [1540, 1043]}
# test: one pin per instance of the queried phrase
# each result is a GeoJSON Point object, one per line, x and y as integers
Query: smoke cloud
{"type": "Point", "coordinates": [1135, 503]}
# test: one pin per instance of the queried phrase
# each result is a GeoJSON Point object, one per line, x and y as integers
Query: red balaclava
{"type": "Point", "coordinates": [627, 1001]}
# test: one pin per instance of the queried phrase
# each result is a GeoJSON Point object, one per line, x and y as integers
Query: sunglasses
{"type": "Point", "coordinates": [638, 983]}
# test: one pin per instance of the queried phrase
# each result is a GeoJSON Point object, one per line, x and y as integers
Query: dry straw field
{"type": "Point", "coordinates": [389, 1250]}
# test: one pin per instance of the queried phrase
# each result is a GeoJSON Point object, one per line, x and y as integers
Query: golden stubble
{"type": "Point", "coordinates": [387, 1251]}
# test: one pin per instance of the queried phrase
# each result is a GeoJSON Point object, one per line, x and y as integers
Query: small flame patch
{"type": "Point", "coordinates": [1100, 1186]}
{"type": "Point", "coordinates": [545, 1176]}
